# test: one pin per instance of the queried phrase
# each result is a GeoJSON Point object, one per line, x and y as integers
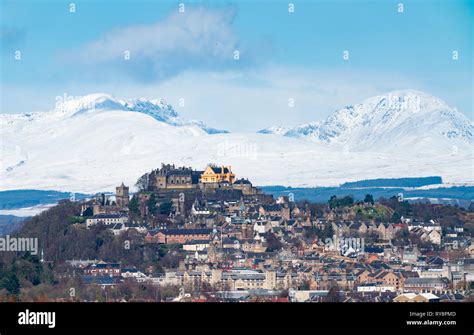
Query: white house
{"type": "Point", "coordinates": [107, 219]}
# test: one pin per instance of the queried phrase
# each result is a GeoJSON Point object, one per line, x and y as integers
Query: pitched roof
{"type": "Point", "coordinates": [243, 181]}
{"type": "Point", "coordinates": [186, 231]}
{"type": "Point", "coordinates": [108, 216]}
{"type": "Point", "coordinates": [218, 169]}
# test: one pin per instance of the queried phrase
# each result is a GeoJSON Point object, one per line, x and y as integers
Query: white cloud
{"type": "Point", "coordinates": [199, 38]}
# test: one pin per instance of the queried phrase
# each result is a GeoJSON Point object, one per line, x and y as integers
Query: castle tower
{"type": "Point", "coordinates": [121, 196]}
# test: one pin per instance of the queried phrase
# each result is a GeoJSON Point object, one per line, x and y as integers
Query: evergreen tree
{"type": "Point", "coordinates": [88, 212]}
{"type": "Point", "coordinates": [347, 201]}
{"type": "Point", "coordinates": [396, 217]}
{"type": "Point", "coordinates": [166, 207]}
{"type": "Point", "coordinates": [369, 199]}
{"type": "Point", "coordinates": [152, 204]}
{"type": "Point", "coordinates": [133, 205]}
{"type": "Point", "coordinates": [335, 202]}
{"type": "Point", "coordinates": [9, 281]}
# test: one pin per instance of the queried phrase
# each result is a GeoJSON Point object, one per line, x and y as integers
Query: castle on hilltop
{"type": "Point", "coordinates": [171, 177]}
{"type": "Point", "coordinates": [173, 189]}
{"type": "Point", "coordinates": [214, 174]}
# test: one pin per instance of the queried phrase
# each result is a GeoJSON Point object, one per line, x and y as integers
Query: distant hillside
{"type": "Point", "coordinates": [29, 198]}
{"type": "Point", "coordinates": [10, 223]}
{"type": "Point", "coordinates": [322, 194]}
{"type": "Point", "coordinates": [395, 182]}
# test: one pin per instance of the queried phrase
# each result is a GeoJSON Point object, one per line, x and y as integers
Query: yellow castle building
{"type": "Point", "coordinates": [215, 174]}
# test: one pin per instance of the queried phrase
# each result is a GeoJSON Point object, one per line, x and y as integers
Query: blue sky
{"type": "Point", "coordinates": [282, 55]}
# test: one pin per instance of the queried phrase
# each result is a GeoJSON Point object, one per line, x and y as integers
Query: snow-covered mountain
{"type": "Point", "coordinates": [101, 102]}
{"type": "Point", "coordinates": [397, 118]}
{"type": "Point", "coordinates": [93, 143]}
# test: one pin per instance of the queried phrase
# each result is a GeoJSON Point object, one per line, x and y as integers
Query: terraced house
{"type": "Point", "coordinates": [177, 236]}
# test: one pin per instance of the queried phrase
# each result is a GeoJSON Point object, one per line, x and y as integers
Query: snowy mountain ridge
{"type": "Point", "coordinates": [102, 102]}
{"type": "Point", "coordinates": [377, 121]}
